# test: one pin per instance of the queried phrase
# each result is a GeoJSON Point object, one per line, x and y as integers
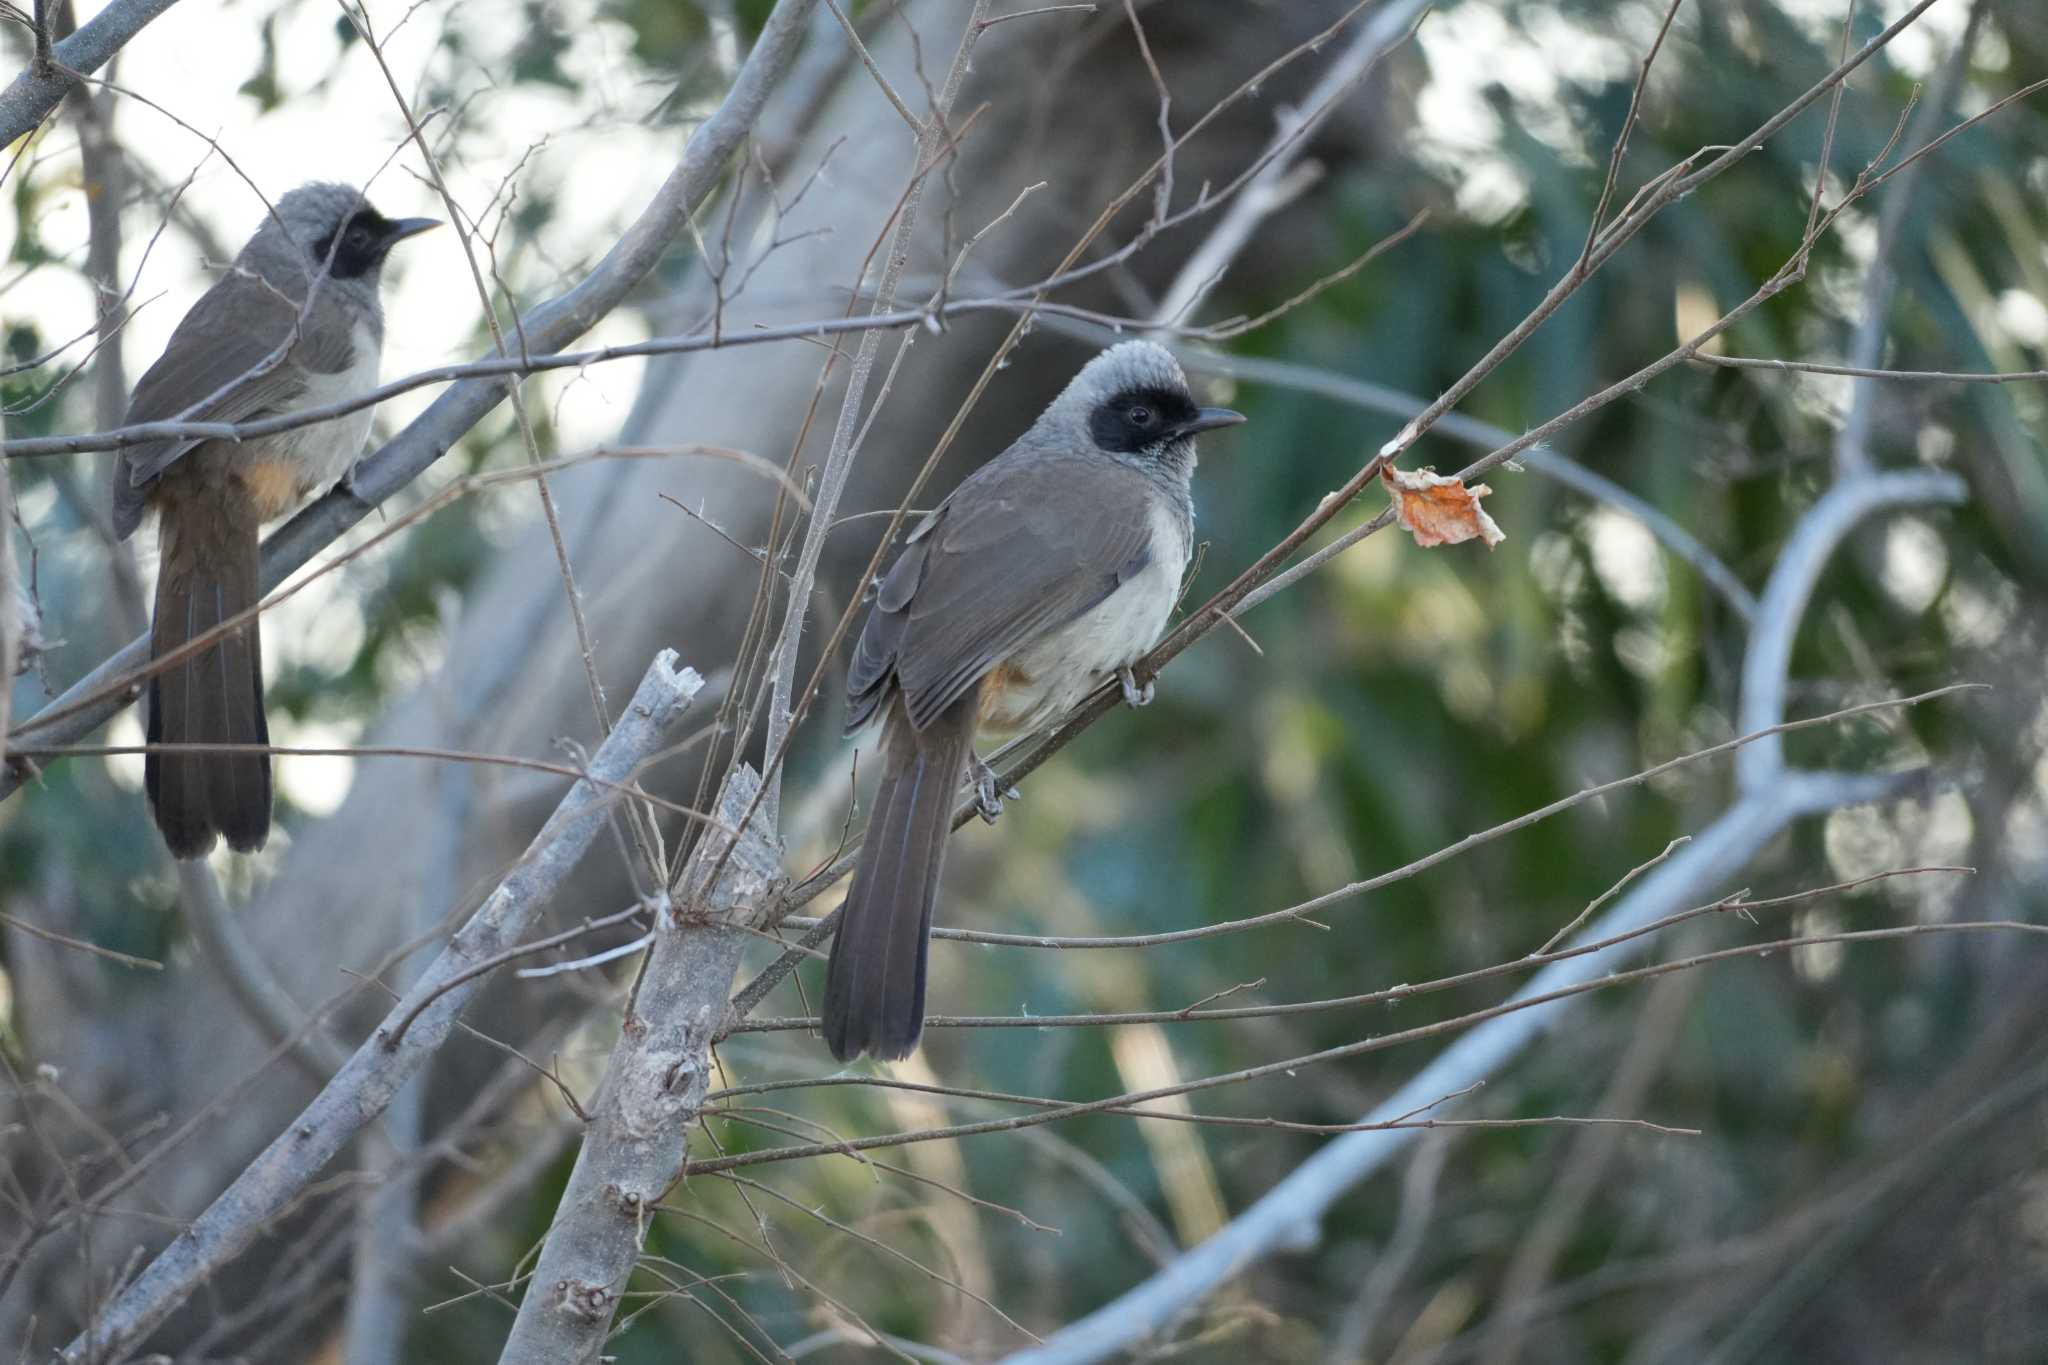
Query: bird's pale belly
{"type": "Point", "coordinates": [288, 468]}
{"type": "Point", "coordinates": [1049, 676]}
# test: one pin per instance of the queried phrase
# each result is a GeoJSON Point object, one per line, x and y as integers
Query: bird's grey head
{"type": "Point", "coordinates": [329, 226]}
{"type": "Point", "coordinates": [1133, 404]}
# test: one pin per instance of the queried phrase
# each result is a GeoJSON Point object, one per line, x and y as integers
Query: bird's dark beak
{"type": "Point", "coordinates": [402, 228]}
{"type": "Point", "coordinates": [1208, 419]}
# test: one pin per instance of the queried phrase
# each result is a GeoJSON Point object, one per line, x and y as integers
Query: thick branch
{"type": "Point", "coordinates": [34, 93]}
{"type": "Point", "coordinates": [1766, 668]}
{"type": "Point", "coordinates": [654, 1087]}
{"type": "Point", "coordinates": [388, 1058]}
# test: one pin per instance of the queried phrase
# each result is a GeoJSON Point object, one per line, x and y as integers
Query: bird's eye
{"type": "Point", "coordinates": [358, 237]}
{"type": "Point", "coordinates": [1139, 415]}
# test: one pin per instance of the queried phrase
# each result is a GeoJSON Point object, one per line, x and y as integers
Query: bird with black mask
{"type": "Point", "coordinates": [305, 285]}
{"type": "Point", "coordinates": [1048, 571]}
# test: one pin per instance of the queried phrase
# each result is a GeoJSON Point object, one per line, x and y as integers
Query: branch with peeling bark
{"type": "Point", "coordinates": [654, 1087]}
{"type": "Point", "coordinates": [412, 1032]}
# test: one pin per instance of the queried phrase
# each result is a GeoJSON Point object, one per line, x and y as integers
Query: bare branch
{"type": "Point", "coordinates": [1866, 348]}
{"type": "Point", "coordinates": [867, 60]}
{"type": "Point", "coordinates": [654, 1086]}
{"type": "Point", "coordinates": [1766, 668]}
{"type": "Point", "coordinates": [79, 944]}
{"type": "Point", "coordinates": [1388, 26]}
{"type": "Point", "coordinates": [933, 143]}
{"type": "Point", "coordinates": [1085, 7]}
{"type": "Point", "coordinates": [1482, 1024]}
{"type": "Point", "coordinates": [1391, 995]}
{"type": "Point", "coordinates": [1543, 459]}
{"type": "Point", "coordinates": [38, 89]}
{"type": "Point", "coordinates": [372, 1076]}
{"type": "Point", "coordinates": [1628, 126]}
{"type": "Point", "coordinates": [1744, 362]}
{"type": "Point", "coordinates": [1294, 914]}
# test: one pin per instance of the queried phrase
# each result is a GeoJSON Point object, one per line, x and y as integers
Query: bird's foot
{"type": "Point", "coordinates": [1134, 695]}
{"type": "Point", "coordinates": [988, 795]}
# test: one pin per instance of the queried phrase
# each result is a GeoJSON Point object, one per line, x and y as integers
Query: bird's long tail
{"type": "Point", "coordinates": [214, 696]}
{"type": "Point", "coordinates": [874, 986]}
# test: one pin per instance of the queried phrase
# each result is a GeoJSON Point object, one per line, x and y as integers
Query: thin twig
{"type": "Point", "coordinates": [1266, 192]}
{"type": "Point", "coordinates": [1529, 1000]}
{"type": "Point", "coordinates": [1628, 126]}
{"type": "Point", "coordinates": [1743, 362]}
{"type": "Point", "coordinates": [932, 140]}
{"type": "Point", "coordinates": [1086, 7]}
{"type": "Point", "coordinates": [358, 16]}
{"type": "Point", "coordinates": [1577, 921]}
{"type": "Point", "coordinates": [818, 882]}
{"type": "Point", "coordinates": [1391, 995]}
{"type": "Point", "coordinates": [66, 941]}
{"type": "Point", "coordinates": [860, 49]}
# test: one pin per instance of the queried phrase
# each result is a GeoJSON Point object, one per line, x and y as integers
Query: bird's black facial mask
{"type": "Point", "coordinates": [362, 242]}
{"type": "Point", "coordinates": [360, 245]}
{"type": "Point", "coordinates": [1140, 419]}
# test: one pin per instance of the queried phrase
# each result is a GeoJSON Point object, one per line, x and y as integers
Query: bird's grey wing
{"type": "Point", "coordinates": [230, 331]}
{"type": "Point", "coordinates": [874, 654]}
{"type": "Point", "coordinates": [1021, 549]}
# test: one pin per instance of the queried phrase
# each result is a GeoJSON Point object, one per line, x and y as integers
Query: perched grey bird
{"type": "Point", "coordinates": [211, 496]}
{"type": "Point", "coordinates": [1050, 569]}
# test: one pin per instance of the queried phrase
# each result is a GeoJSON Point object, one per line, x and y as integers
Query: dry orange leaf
{"type": "Point", "coordinates": [1437, 510]}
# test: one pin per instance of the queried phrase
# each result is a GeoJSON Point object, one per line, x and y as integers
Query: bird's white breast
{"type": "Point", "coordinates": [1053, 673]}
{"type": "Point", "coordinates": [322, 453]}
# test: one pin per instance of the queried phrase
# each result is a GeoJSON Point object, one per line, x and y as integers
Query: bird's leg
{"type": "Point", "coordinates": [988, 797]}
{"type": "Point", "coordinates": [1134, 695]}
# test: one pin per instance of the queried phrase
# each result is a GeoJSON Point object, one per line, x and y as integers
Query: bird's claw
{"type": "Point", "coordinates": [988, 796]}
{"type": "Point", "coordinates": [1134, 695]}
